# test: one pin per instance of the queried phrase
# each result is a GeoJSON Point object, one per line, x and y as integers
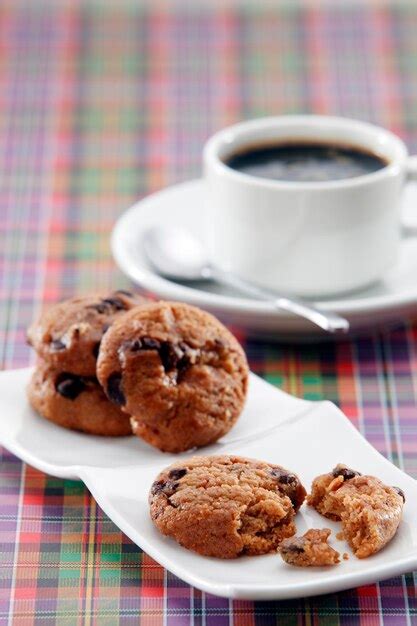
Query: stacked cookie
{"type": "Point", "coordinates": [64, 388]}
{"type": "Point", "coordinates": [177, 371]}
{"type": "Point", "coordinates": [169, 372]}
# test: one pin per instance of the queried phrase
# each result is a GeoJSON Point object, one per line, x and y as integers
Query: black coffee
{"type": "Point", "coordinates": [306, 162]}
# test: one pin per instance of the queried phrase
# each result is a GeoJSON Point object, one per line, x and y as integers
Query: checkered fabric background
{"type": "Point", "coordinates": [100, 104]}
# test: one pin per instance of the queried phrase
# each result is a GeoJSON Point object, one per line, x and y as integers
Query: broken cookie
{"type": "Point", "coordinates": [226, 506]}
{"type": "Point", "coordinates": [370, 511]}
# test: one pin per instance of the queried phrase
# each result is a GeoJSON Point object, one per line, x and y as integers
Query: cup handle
{"type": "Point", "coordinates": [411, 168]}
{"type": "Point", "coordinates": [411, 175]}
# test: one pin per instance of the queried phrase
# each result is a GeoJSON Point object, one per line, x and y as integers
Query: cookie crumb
{"type": "Point", "coordinates": [345, 556]}
{"type": "Point", "coordinates": [340, 536]}
{"type": "Point", "coordinates": [310, 550]}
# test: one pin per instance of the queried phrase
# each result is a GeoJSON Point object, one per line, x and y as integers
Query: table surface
{"type": "Point", "coordinates": [100, 104]}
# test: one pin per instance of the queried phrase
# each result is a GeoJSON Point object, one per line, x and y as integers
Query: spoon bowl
{"type": "Point", "coordinates": [177, 255]}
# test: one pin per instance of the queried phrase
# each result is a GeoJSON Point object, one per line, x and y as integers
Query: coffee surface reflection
{"type": "Point", "coordinates": [305, 162]}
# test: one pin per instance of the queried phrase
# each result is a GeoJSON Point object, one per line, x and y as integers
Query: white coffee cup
{"type": "Point", "coordinates": [306, 238]}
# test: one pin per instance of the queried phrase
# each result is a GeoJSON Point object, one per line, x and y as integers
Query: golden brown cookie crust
{"type": "Point", "coordinates": [225, 506]}
{"type": "Point", "coordinates": [75, 402]}
{"type": "Point", "coordinates": [178, 371]}
{"type": "Point", "coordinates": [68, 334]}
{"type": "Point", "coordinates": [370, 511]}
{"type": "Point", "coordinates": [309, 550]}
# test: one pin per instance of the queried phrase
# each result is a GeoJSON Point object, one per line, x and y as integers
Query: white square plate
{"type": "Point", "coordinates": [307, 437]}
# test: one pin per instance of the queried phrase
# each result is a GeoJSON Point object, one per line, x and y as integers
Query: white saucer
{"type": "Point", "coordinates": [275, 427]}
{"type": "Point", "coordinates": [183, 205]}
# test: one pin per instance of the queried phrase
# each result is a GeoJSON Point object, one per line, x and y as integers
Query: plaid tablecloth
{"type": "Point", "coordinates": [100, 104]}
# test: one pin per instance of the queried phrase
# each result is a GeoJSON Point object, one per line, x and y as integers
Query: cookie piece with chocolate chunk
{"type": "Point", "coordinates": [178, 371]}
{"type": "Point", "coordinates": [68, 334]}
{"type": "Point", "coordinates": [75, 402]}
{"type": "Point", "coordinates": [223, 506]}
{"type": "Point", "coordinates": [369, 510]}
{"type": "Point", "coordinates": [310, 550]}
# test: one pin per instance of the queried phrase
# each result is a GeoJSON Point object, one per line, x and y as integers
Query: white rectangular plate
{"type": "Point", "coordinates": [306, 437]}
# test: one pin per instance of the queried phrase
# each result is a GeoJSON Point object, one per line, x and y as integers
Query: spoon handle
{"type": "Point", "coordinates": [327, 320]}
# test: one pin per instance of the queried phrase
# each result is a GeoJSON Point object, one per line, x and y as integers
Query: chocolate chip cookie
{"type": "Point", "coordinates": [226, 506]}
{"type": "Point", "coordinates": [310, 550]}
{"type": "Point", "coordinates": [370, 511]}
{"type": "Point", "coordinates": [75, 402]}
{"type": "Point", "coordinates": [177, 370]}
{"type": "Point", "coordinates": [68, 334]}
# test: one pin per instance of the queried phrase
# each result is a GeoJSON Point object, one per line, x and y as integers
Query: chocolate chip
{"type": "Point", "coordinates": [345, 472]}
{"type": "Point", "coordinates": [133, 346]}
{"type": "Point", "coordinates": [115, 389]}
{"type": "Point", "coordinates": [108, 305]}
{"type": "Point", "coordinates": [147, 343]}
{"type": "Point", "coordinates": [167, 487]}
{"type": "Point", "coordinates": [143, 343]}
{"type": "Point", "coordinates": [293, 547]}
{"type": "Point", "coordinates": [400, 492]}
{"type": "Point", "coordinates": [124, 292]}
{"type": "Point", "coordinates": [170, 488]}
{"type": "Point", "coordinates": [99, 307]}
{"type": "Point", "coordinates": [283, 477]}
{"type": "Point", "coordinates": [115, 303]}
{"type": "Point", "coordinates": [57, 345]}
{"type": "Point", "coordinates": [173, 357]}
{"type": "Point", "coordinates": [96, 349]}
{"type": "Point", "coordinates": [157, 487]}
{"type": "Point", "coordinates": [183, 365]}
{"type": "Point", "coordinates": [176, 474]}
{"type": "Point", "coordinates": [170, 355]}
{"type": "Point", "coordinates": [288, 484]}
{"type": "Point", "coordinates": [177, 357]}
{"type": "Point", "coordinates": [69, 386]}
